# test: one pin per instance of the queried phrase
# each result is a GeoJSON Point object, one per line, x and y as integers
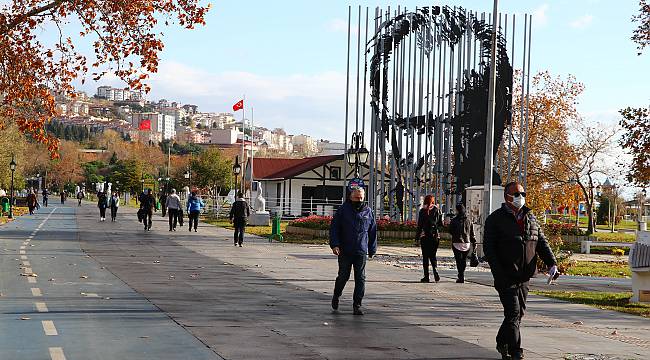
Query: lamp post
{"type": "Point", "coordinates": [236, 169]}
{"type": "Point", "coordinates": [357, 153]}
{"type": "Point", "coordinates": [188, 176]}
{"type": "Point", "coordinates": [12, 166]}
{"type": "Point", "coordinates": [642, 196]}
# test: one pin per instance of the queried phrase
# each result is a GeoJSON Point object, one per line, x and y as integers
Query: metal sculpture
{"type": "Point", "coordinates": [428, 76]}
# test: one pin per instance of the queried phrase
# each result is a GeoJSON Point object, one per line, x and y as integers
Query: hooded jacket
{"type": "Point", "coordinates": [194, 203]}
{"type": "Point", "coordinates": [461, 229]}
{"type": "Point", "coordinates": [354, 231]}
{"type": "Point", "coordinates": [511, 253]}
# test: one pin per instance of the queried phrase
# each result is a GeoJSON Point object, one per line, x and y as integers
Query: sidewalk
{"type": "Point", "coordinates": [276, 296]}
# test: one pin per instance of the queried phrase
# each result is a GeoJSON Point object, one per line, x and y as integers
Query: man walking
{"type": "Point", "coordinates": [147, 205]}
{"type": "Point", "coordinates": [513, 240]}
{"type": "Point", "coordinates": [353, 237]}
{"type": "Point", "coordinates": [114, 204]}
{"type": "Point", "coordinates": [194, 206]}
{"type": "Point", "coordinates": [80, 196]}
{"type": "Point", "coordinates": [46, 195]}
{"type": "Point", "coordinates": [163, 203]}
{"type": "Point", "coordinates": [239, 213]}
{"type": "Point", "coordinates": [173, 204]}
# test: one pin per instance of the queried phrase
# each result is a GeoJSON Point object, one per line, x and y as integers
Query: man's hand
{"type": "Point", "coordinates": [336, 251]}
{"type": "Point", "coordinates": [552, 274]}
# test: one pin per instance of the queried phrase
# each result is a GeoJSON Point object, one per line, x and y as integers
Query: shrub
{"type": "Point", "coordinates": [562, 229]}
{"type": "Point", "coordinates": [618, 252]}
{"type": "Point", "coordinates": [323, 223]}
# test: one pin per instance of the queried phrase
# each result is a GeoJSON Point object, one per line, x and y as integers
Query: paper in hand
{"type": "Point", "coordinates": [553, 274]}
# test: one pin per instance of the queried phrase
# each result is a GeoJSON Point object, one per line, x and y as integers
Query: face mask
{"type": "Point", "coordinates": [518, 202]}
{"type": "Point", "coordinates": [357, 205]}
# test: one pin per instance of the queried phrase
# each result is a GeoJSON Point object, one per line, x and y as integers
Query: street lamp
{"type": "Point", "coordinates": [357, 153]}
{"type": "Point", "coordinates": [12, 166]}
{"type": "Point", "coordinates": [236, 169]}
{"type": "Point", "coordinates": [642, 206]}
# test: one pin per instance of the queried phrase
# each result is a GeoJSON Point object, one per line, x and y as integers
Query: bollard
{"type": "Point", "coordinates": [275, 229]}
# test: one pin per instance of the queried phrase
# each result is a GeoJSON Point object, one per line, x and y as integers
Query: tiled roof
{"type": "Point", "coordinates": [264, 168]}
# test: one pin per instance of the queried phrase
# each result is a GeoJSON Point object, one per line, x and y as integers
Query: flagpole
{"type": "Point", "coordinates": [243, 136]}
{"type": "Point", "coordinates": [250, 200]}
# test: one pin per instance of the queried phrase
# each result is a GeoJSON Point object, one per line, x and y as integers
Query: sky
{"type": "Point", "coordinates": [288, 57]}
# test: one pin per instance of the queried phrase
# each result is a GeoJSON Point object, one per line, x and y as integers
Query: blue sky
{"type": "Point", "coordinates": [289, 58]}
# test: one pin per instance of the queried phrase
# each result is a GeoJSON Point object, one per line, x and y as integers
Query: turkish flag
{"type": "Point", "coordinates": [145, 124]}
{"type": "Point", "coordinates": [238, 106]}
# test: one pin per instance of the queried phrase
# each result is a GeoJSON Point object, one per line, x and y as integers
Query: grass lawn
{"type": "Point", "coordinates": [600, 269]}
{"type": "Point", "coordinates": [614, 237]}
{"type": "Point", "coordinates": [610, 301]}
{"type": "Point", "coordinates": [17, 211]}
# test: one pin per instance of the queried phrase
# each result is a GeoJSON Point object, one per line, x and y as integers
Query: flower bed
{"type": "Point", "coordinates": [562, 229]}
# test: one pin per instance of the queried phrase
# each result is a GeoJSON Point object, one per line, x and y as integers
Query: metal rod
{"type": "Point", "coordinates": [530, 26]}
{"type": "Point", "coordinates": [382, 142]}
{"type": "Point", "coordinates": [512, 61]}
{"type": "Point", "coordinates": [347, 100]}
{"type": "Point", "coordinates": [521, 105]}
{"type": "Point", "coordinates": [356, 104]}
{"type": "Point", "coordinates": [373, 151]}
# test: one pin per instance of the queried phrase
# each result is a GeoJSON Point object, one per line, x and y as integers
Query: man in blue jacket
{"type": "Point", "coordinates": [353, 237]}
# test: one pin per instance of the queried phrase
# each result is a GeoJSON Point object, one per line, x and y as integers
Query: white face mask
{"type": "Point", "coordinates": [518, 201]}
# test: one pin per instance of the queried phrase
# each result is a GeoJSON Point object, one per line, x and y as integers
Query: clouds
{"type": "Point", "coordinates": [539, 15]}
{"type": "Point", "coordinates": [582, 22]}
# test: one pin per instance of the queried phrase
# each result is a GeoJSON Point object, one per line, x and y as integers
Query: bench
{"type": "Point", "coordinates": [585, 245]}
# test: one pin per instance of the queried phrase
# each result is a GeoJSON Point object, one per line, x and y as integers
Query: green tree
{"type": "Point", "coordinates": [211, 169]}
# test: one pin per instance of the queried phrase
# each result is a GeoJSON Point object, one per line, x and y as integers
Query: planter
{"type": "Point", "coordinates": [317, 233]}
{"type": "Point", "coordinates": [383, 234]}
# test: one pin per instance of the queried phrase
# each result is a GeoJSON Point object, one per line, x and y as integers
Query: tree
{"type": "Point", "coordinates": [211, 169]}
{"type": "Point", "coordinates": [124, 35]}
{"type": "Point", "coordinates": [636, 139]}
{"type": "Point", "coordinates": [67, 169]}
{"type": "Point", "coordinates": [551, 111]}
{"type": "Point", "coordinates": [641, 34]}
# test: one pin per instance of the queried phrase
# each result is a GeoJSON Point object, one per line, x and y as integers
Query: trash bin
{"type": "Point", "coordinates": [275, 229]}
{"type": "Point", "coordinates": [4, 202]}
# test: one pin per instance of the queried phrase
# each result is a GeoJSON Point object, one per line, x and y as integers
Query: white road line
{"type": "Point", "coordinates": [23, 257]}
{"type": "Point", "coordinates": [41, 307]}
{"type": "Point", "coordinates": [36, 292]}
{"type": "Point", "coordinates": [48, 327]}
{"type": "Point", "coordinates": [26, 263]}
{"type": "Point", "coordinates": [28, 270]}
{"type": "Point", "coordinates": [22, 252]}
{"type": "Point", "coordinates": [22, 247]}
{"type": "Point", "coordinates": [56, 353]}
{"type": "Point", "coordinates": [91, 295]}
{"type": "Point", "coordinates": [31, 280]}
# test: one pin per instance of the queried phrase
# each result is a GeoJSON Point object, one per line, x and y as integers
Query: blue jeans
{"type": "Point", "coordinates": [346, 263]}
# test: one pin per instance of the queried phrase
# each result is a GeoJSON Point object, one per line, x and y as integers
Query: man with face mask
{"type": "Point", "coordinates": [513, 240]}
{"type": "Point", "coordinates": [353, 237]}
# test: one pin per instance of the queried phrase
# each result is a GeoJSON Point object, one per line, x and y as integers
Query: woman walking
{"type": "Point", "coordinates": [32, 202]}
{"type": "Point", "coordinates": [427, 236]}
{"type": "Point", "coordinates": [173, 204]}
{"type": "Point", "coordinates": [462, 240]}
{"type": "Point", "coordinates": [194, 206]}
{"type": "Point", "coordinates": [102, 204]}
{"type": "Point", "coordinates": [114, 204]}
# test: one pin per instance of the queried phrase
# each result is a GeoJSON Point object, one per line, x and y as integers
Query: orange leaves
{"type": "Point", "coordinates": [636, 139]}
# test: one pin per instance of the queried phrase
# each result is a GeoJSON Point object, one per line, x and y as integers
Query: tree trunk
{"type": "Point", "coordinates": [590, 225]}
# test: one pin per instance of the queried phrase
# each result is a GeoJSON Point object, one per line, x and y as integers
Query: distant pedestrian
{"type": "Point", "coordinates": [462, 240]}
{"type": "Point", "coordinates": [32, 202]}
{"type": "Point", "coordinates": [428, 236]}
{"type": "Point", "coordinates": [353, 237]}
{"type": "Point", "coordinates": [513, 240]}
{"type": "Point", "coordinates": [147, 206]}
{"type": "Point", "coordinates": [173, 204]}
{"type": "Point", "coordinates": [102, 204]}
{"type": "Point", "coordinates": [45, 197]}
{"type": "Point", "coordinates": [64, 196]}
{"type": "Point", "coordinates": [239, 213]}
{"type": "Point", "coordinates": [163, 203]}
{"type": "Point", "coordinates": [114, 204]}
{"type": "Point", "coordinates": [80, 196]}
{"type": "Point", "coordinates": [194, 206]}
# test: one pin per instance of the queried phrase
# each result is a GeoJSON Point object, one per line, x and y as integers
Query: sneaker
{"type": "Point", "coordinates": [335, 302]}
{"type": "Point", "coordinates": [503, 350]}
{"type": "Point", "coordinates": [239, 245]}
{"type": "Point", "coordinates": [356, 310]}
{"type": "Point", "coordinates": [190, 229]}
{"type": "Point", "coordinates": [194, 230]}
{"type": "Point", "coordinates": [436, 277]}
{"type": "Point", "coordinates": [460, 281]}
{"type": "Point", "coordinates": [235, 244]}
{"type": "Point", "coordinates": [424, 280]}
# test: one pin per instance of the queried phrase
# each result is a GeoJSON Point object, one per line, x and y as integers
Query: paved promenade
{"type": "Point", "coordinates": [162, 295]}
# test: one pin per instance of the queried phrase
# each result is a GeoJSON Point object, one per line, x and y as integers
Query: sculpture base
{"type": "Point", "coordinates": [259, 219]}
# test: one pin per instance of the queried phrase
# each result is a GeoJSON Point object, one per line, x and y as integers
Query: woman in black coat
{"type": "Point", "coordinates": [427, 236]}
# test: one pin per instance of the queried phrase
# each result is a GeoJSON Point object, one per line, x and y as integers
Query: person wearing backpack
{"type": "Point", "coordinates": [173, 204]}
{"type": "Point", "coordinates": [114, 205]}
{"type": "Point", "coordinates": [462, 240]}
{"type": "Point", "coordinates": [102, 204]}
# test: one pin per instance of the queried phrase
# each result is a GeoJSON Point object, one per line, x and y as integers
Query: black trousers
{"type": "Point", "coordinates": [179, 216]}
{"type": "Point", "coordinates": [102, 212]}
{"type": "Point", "coordinates": [513, 299]}
{"type": "Point", "coordinates": [45, 201]}
{"type": "Point", "coordinates": [461, 261]}
{"type": "Point", "coordinates": [240, 226]}
{"type": "Point", "coordinates": [194, 219]}
{"type": "Point", "coordinates": [113, 212]}
{"type": "Point", "coordinates": [429, 247]}
{"type": "Point", "coordinates": [147, 219]}
{"type": "Point", "coordinates": [346, 263]}
{"type": "Point", "coordinates": [164, 210]}
{"type": "Point", "coordinates": [173, 218]}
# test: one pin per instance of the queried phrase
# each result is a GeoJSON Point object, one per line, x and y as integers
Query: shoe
{"type": "Point", "coordinates": [356, 310]}
{"type": "Point", "coordinates": [517, 356]}
{"type": "Point", "coordinates": [335, 302]}
{"type": "Point", "coordinates": [503, 350]}
{"type": "Point", "coordinates": [190, 229]}
{"type": "Point", "coordinates": [235, 244]}
{"type": "Point", "coordinates": [460, 281]}
{"type": "Point", "coordinates": [194, 230]}
{"type": "Point", "coordinates": [170, 229]}
{"type": "Point", "coordinates": [239, 245]}
{"type": "Point", "coordinates": [424, 280]}
{"type": "Point", "coordinates": [436, 277]}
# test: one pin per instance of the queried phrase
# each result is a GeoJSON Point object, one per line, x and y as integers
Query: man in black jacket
{"type": "Point", "coordinates": [239, 212]}
{"type": "Point", "coordinates": [513, 240]}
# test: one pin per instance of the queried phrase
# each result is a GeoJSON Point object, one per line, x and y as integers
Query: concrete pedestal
{"type": "Point", "coordinates": [640, 265]}
{"type": "Point", "coordinates": [259, 219]}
